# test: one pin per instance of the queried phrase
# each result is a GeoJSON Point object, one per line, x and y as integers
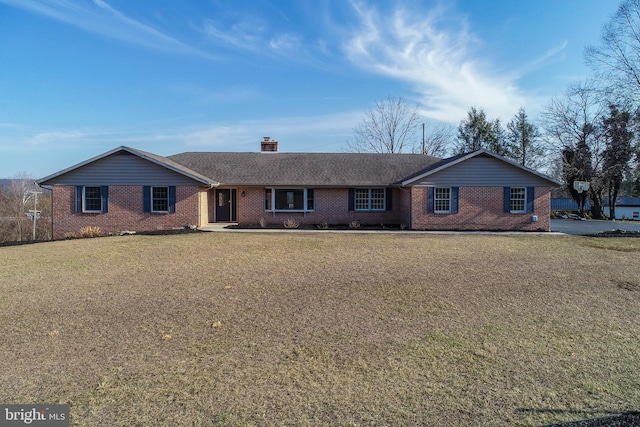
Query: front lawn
{"type": "Point", "coordinates": [321, 329]}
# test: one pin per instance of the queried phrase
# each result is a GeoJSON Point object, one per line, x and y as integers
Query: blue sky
{"type": "Point", "coordinates": [80, 77]}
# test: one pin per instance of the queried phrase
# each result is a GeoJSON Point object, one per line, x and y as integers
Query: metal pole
{"type": "Point", "coordinates": [35, 213]}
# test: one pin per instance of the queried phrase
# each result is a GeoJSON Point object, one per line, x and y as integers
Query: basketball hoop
{"type": "Point", "coordinates": [580, 186]}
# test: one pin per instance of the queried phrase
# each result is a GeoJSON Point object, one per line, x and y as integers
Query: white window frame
{"type": "Point", "coordinates": [84, 198]}
{"type": "Point", "coordinates": [523, 200]}
{"type": "Point", "coordinates": [437, 199]}
{"type": "Point", "coordinates": [305, 196]}
{"type": "Point", "coordinates": [369, 199]}
{"type": "Point", "coordinates": [154, 198]}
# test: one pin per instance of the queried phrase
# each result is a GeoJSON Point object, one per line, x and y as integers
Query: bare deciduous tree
{"type": "Point", "coordinates": [391, 127]}
{"type": "Point", "coordinates": [616, 60]}
{"type": "Point", "coordinates": [437, 139]}
{"type": "Point", "coordinates": [572, 129]}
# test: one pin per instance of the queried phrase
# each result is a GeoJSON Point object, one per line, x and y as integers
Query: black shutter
{"type": "Point", "coordinates": [146, 198]}
{"type": "Point", "coordinates": [507, 199]}
{"type": "Point", "coordinates": [530, 197]}
{"type": "Point", "coordinates": [172, 198]}
{"type": "Point", "coordinates": [352, 199]}
{"type": "Point", "coordinates": [430, 197]}
{"type": "Point", "coordinates": [104, 195]}
{"type": "Point", "coordinates": [454, 199]}
{"type": "Point", "coordinates": [234, 197]}
{"type": "Point", "coordinates": [389, 199]}
{"type": "Point", "coordinates": [78, 198]}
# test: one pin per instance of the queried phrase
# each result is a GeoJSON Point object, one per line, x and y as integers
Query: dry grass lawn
{"type": "Point", "coordinates": [323, 329]}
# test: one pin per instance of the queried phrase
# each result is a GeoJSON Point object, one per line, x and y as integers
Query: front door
{"type": "Point", "coordinates": [225, 205]}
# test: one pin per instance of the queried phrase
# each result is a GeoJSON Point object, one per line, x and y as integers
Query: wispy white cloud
{"type": "Point", "coordinates": [246, 34]}
{"type": "Point", "coordinates": [300, 133]}
{"type": "Point", "coordinates": [437, 58]}
{"type": "Point", "coordinates": [257, 36]}
{"type": "Point", "coordinates": [556, 53]}
{"type": "Point", "coordinates": [99, 17]}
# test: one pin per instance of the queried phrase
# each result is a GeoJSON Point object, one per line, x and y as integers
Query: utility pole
{"type": "Point", "coordinates": [35, 211]}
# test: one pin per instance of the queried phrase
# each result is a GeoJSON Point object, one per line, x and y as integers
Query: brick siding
{"type": "Point", "coordinates": [125, 211]}
{"type": "Point", "coordinates": [480, 208]}
{"type": "Point", "coordinates": [331, 206]}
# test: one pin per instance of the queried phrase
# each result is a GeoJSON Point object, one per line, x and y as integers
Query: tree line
{"type": "Point", "coordinates": [590, 133]}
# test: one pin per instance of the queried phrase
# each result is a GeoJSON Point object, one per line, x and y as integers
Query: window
{"type": "Point", "coordinates": [92, 199]}
{"type": "Point", "coordinates": [159, 199]}
{"type": "Point", "coordinates": [369, 199]}
{"type": "Point", "coordinates": [517, 199]}
{"type": "Point", "coordinates": [442, 199]}
{"type": "Point", "coordinates": [295, 199]}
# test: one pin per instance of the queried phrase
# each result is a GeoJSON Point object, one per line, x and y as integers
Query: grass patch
{"type": "Point", "coordinates": [322, 329]}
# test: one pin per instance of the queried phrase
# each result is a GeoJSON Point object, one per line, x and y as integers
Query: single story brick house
{"type": "Point", "coordinates": [130, 189]}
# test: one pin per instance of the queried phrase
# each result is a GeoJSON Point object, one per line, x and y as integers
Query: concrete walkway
{"type": "Point", "coordinates": [224, 228]}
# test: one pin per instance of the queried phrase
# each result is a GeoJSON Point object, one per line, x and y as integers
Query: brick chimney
{"type": "Point", "coordinates": [268, 145]}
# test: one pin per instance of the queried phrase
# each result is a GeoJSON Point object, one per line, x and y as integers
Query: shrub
{"type": "Point", "coordinates": [324, 225]}
{"type": "Point", "coordinates": [355, 224]}
{"type": "Point", "coordinates": [70, 235]}
{"type": "Point", "coordinates": [291, 223]}
{"type": "Point", "coordinates": [90, 232]}
{"type": "Point", "coordinates": [263, 223]}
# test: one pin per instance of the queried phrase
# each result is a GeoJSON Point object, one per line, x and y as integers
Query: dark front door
{"type": "Point", "coordinates": [225, 205]}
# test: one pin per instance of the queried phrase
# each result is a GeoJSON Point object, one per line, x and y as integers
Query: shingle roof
{"type": "Point", "coordinates": [171, 164]}
{"type": "Point", "coordinates": [304, 169]}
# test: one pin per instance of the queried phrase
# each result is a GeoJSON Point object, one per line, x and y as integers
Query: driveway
{"type": "Point", "coordinates": [570, 226]}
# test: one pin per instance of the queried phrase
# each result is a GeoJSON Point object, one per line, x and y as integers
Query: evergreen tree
{"type": "Point", "coordinates": [523, 140]}
{"type": "Point", "coordinates": [476, 132]}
